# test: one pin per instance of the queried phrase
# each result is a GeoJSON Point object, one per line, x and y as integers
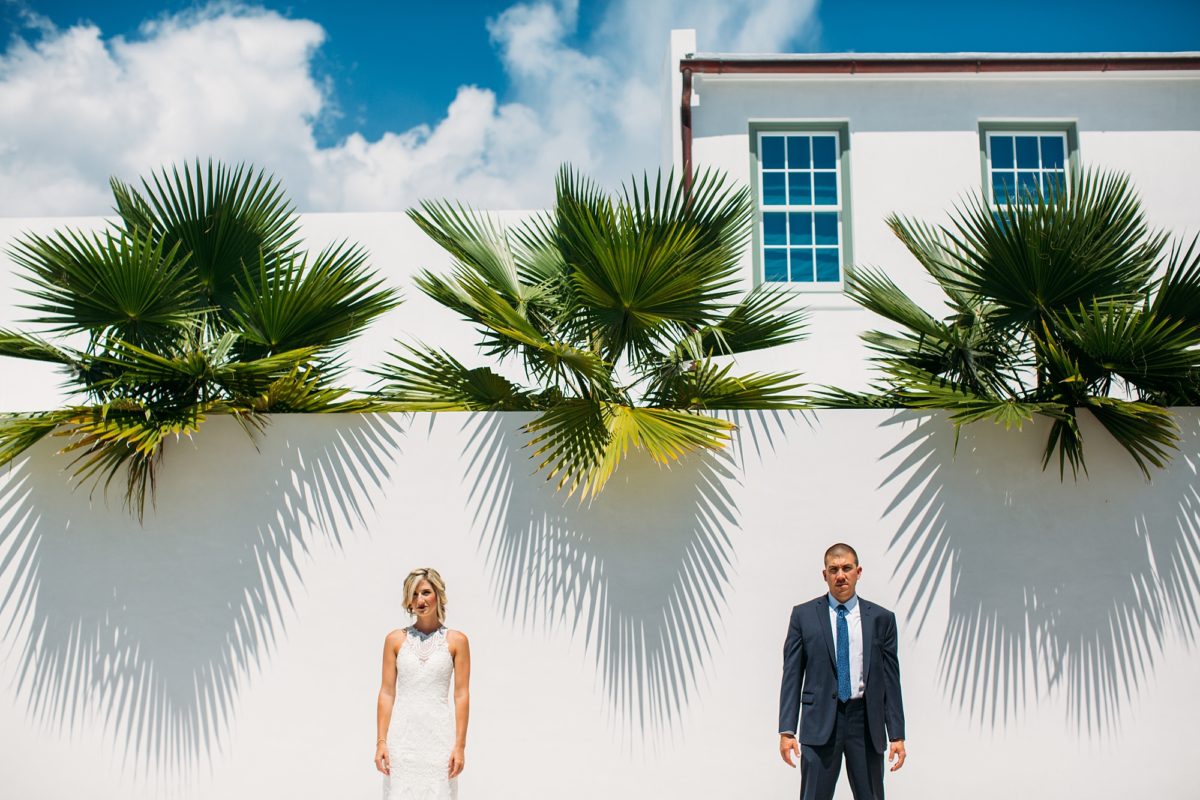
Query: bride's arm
{"type": "Point", "coordinates": [461, 650]}
{"type": "Point", "coordinates": [387, 698]}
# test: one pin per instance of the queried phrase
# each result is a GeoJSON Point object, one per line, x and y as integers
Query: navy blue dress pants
{"type": "Point", "coordinates": [821, 765]}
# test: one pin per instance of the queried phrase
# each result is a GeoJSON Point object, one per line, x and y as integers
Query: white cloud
{"type": "Point", "coordinates": [236, 82]}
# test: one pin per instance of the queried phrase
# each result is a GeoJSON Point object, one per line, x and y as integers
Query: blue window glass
{"type": "Point", "coordinates": [802, 264]}
{"type": "Point", "coordinates": [1004, 186]}
{"type": "Point", "coordinates": [800, 228]}
{"type": "Point", "coordinates": [826, 228]}
{"type": "Point", "coordinates": [801, 207]}
{"type": "Point", "coordinates": [1027, 185]}
{"type": "Point", "coordinates": [1002, 152]}
{"type": "Point", "coordinates": [772, 152]}
{"type": "Point", "coordinates": [825, 188]}
{"type": "Point", "coordinates": [774, 229]}
{"type": "Point", "coordinates": [1052, 152]}
{"type": "Point", "coordinates": [775, 267]}
{"type": "Point", "coordinates": [798, 152]}
{"type": "Point", "coordinates": [773, 189]}
{"type": "Point", "coordinates": [824, 152]}
{"type": "Point", "coordinates": [1027, 152]}
{"type": "Point", "coordinates": [799, 188]}
{"type": "Point", "coordinates": [828, 268]}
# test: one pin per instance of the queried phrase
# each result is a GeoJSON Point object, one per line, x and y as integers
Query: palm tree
{"type": "Point", "coordinates": [619, 310]}
{"type": "Point", "coordinates": [1055, 303]}
{"type": "Point", "coordinates": [198, 299]}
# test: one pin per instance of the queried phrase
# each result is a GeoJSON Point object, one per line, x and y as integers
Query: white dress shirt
{"type": "Point", "coordinates": [854, 623]}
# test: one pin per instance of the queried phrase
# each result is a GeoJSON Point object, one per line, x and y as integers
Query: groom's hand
{"type": "Point", "coordinates": [788, 747]}
{"type": "Point", "coordinates": [896, 753]}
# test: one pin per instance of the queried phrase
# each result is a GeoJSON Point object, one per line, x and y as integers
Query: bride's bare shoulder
{"type": "Point", "coordinates": [396, 638]}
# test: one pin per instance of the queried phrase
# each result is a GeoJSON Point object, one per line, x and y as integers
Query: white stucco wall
{"type": "Point", "coordinates": [229, 647]}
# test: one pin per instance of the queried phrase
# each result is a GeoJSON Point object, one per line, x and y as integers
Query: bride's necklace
{"type": "Point", "coordinates": [424, 644]}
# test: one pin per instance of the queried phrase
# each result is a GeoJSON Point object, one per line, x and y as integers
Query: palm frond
{"type": "Point", "coordinates": [23, 345]}
{"type": "Point", "coordinates": [223, 217]}
{"type": "Point", "coordinates": [759, 321]}
{"type": "Point", "coordinates": [112, 437]}
{"type": "Point", "coordinates": [425, 379]}
{"type": "Point", "coordinates": [654, 264]}
{"type": "Point", "coordinates": [19, 432]}
{"type": "Point", "coordinates": [1177, 293]}
{"type": "Point", "coordinates": [707, 385]}
{"type": "Point", "coordinates": [292, 304]}
{"type": "Point", "coordinates": [475, 241]}
{"type": "Point", "coordinates": [1151, 352]}
{"type": "Point", "coordinates": [581, 443]}
{"type": "Point", "coordinates": [835, 397]}
{"type": "Point", "coordinates": [1050, 254]}
{"type": "Point", "coordinates": [126, 284]}
{"type": "Point", "coordinates": [1147, 432]}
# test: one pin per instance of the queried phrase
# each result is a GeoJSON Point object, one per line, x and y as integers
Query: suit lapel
{"type": "Point", "coordinates": [822, 608]}
{"type": "Point", "coordinates": [866, 613]}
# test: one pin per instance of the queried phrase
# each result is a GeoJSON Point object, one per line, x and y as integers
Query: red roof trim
{"type": "Point", "coordinates": [764, 66]}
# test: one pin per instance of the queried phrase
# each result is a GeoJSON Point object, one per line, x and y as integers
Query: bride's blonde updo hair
{"type": "Point", "coordinates": [435, 580]}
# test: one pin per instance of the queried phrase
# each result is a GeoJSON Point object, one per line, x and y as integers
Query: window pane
{"type": "Point", "coordinates": [826, 228]}
{"type": "Point", "coordinates": [773, 189]}
{"type": "Point", "coordinates": [1027, 185]}
{"type": "Point", "coordinates": [825, 188]}
{"type": "Point", "coordinates": [798, 152]}
{"type": "Point", "coordinates": [1052, 152]}
{"type": "Point", "coordinates": [801, 228]}
{"type": "Point", "coordinates": [1004, 187]}
{"type": "Point", "coordinates": [824, 152]}
{"type": "Point", "coordinates": [1002, 152]}
{"type": "Point", "coordinates": [800, 188]}
{"type": "Point", "coordinates": [774, 229]}
{"type": "Point", "coordinates": [772, 152]}
{"type": "Point", "coordinates": [828, 266]}
{"type": "Point", "coordinates": [775, 265]}
{"type": "Point", "coordinates": [1027, 152]}
{"type": "Point", "coordinates": [802, 265]}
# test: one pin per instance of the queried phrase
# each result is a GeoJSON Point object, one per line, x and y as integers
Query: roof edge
{"type": "Point", "coordinates": [854, 63]}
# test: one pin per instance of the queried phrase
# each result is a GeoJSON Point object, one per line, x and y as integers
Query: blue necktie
{"type": "Point", "coordinates": [843, 655]}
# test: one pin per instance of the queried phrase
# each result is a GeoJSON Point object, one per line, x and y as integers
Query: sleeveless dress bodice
{"type": "Point", "coordinates": [421, 735]}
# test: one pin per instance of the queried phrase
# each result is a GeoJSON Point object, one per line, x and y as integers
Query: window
{"type": "Point", "coordinates": [801, 200]}
{"type": "Point", "coordinates": [1022, 163]}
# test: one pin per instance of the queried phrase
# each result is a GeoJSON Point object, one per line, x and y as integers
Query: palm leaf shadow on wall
{"type": "Point", "coordinates": [154, 630]}
{"type": "Point", "coordinates": [1056, 591]}
{"type": "Point", "coordinates": [646, 598]}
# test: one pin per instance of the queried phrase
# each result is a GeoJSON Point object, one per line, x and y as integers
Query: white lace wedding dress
{"type": "Point", "coordinates": [421, 734]}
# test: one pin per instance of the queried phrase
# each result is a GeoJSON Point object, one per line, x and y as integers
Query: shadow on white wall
{"type": "Point", "coordinates": [153, 630]}
{"type": "Point", "coordinates": [1055, 590]}
{"type": "Point", "coordinates": [645, 591]}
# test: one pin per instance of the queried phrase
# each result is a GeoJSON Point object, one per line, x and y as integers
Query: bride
{"type": "Point", "coordinates": [420, 752]}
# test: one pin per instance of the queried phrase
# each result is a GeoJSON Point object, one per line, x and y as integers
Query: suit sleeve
{"type": "Point", "coordinates": [794, 659]}
{"type": "Point", "coordinates": [893, 702]}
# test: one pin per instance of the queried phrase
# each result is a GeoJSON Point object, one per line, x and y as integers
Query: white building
{"type": "Point", "coordinates": [832, 144]}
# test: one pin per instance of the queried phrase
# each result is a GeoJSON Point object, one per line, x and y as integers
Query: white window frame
{"type": "Point", "coordinates": [787, 209]}
{"type": "Point", "coordinates": [1042, 171]}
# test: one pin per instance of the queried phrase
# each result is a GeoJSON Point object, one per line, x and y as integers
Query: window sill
{"type": "Point", "coordinates": [823, 299]}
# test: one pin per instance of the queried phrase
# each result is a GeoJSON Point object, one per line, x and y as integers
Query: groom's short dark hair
{"type": "Point", "coordinates": [841, 549]}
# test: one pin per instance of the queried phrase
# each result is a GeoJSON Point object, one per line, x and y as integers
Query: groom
{"type": "Point", "coordinates": [841, 677]}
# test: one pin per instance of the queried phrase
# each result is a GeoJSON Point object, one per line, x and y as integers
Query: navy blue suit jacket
{"type": "Point", "coordinates": [809, 688]}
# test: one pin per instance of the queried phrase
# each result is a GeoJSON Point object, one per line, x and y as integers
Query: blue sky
{"type": "Point", "coordinates": [364, 89]}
